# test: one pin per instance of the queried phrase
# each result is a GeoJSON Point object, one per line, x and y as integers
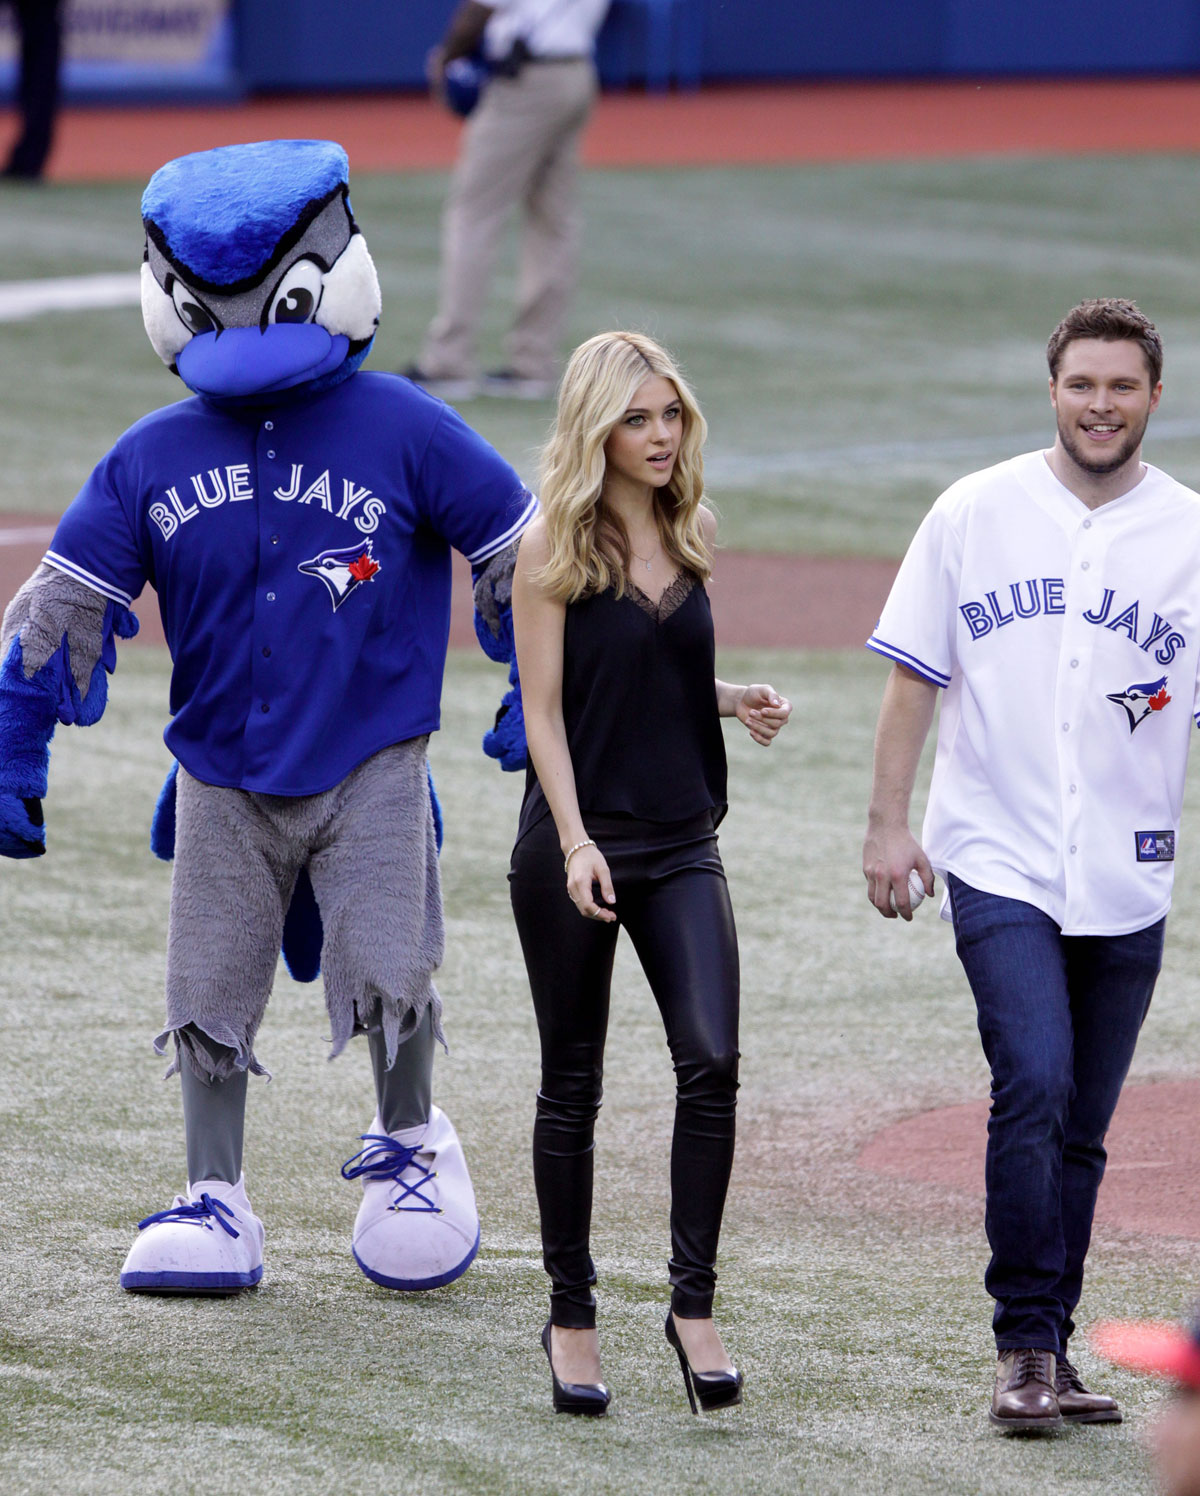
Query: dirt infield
{"type": "Point", "coordinates": [1150, 1183]}
{"type": "Point", "coordinates": [764, 125]}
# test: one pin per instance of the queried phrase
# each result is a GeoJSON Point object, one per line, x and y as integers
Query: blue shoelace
{"type": "Point", "coordinates": [385, 1158]}
{"type": "Point", "coordinates": [202, 1212]}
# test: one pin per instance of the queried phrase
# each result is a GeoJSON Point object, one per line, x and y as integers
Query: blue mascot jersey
{"type": "Point", "coordinates": [301, 556]}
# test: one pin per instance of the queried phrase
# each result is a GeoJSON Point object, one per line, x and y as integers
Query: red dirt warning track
{"type": "Point", "coordinates": [762, 125]}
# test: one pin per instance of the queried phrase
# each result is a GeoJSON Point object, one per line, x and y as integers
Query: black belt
{"type": "Point", "coordinates": [559, 57]}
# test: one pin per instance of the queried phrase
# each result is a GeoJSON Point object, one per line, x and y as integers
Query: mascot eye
{"type": "Point", "coordinates": [298, 295]}
{"type": "Point", "coordinates": [194, 315]}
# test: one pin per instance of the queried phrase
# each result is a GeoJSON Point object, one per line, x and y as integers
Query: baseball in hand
{"type": "Point", "coordinates": [916, 890]}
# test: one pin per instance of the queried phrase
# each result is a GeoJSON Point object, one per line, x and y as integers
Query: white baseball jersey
{"type": "Point", "coordinates": [1067, 641]}
{"type": "Point", "coordinates": [550, 28]}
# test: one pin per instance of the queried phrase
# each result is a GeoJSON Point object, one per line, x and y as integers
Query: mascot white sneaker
{"type": "Point", "coordinates": [209, 1241]}
{"type": "Point", "coordinates": [417, 1226]}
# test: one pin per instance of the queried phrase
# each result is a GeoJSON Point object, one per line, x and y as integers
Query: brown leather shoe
{"type": "Point", "coordinates": [1076, 1403]}
{"type": "Point", "coordinates": [1024, 1399]}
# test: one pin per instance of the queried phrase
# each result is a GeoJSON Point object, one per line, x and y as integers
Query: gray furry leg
{"type": "Point", "coordinates": [404, 1092]}
{"type": "Point", "coordinates": [214, 1114]}
{"type": "Point", "coordinates": [233, 876]}
{"type": "Point", "coordinates": [375, 876]}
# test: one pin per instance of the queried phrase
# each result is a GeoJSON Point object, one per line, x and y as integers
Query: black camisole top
{"type": "Point", "coordinates": [640, 707]}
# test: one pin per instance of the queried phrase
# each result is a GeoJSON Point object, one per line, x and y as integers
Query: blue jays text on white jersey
{"type": "Point", "coordinates": [1066, 641]}
{"type": "Point", "coordinates": [1043, 596]}
{"type": "Point", "coordinates": [301, 556]}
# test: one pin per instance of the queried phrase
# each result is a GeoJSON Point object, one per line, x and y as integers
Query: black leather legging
{"type": "Point", "coordinates": [673, 901]}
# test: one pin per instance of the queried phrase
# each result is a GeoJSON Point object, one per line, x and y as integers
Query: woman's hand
{"type": "Point", "coordinates": [587, 868]}
{"type": "Point", "coordinates": [762, 711]}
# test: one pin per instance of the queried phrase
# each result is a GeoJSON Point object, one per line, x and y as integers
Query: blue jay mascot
{"type": "Point", "coordinates": [295, 518]}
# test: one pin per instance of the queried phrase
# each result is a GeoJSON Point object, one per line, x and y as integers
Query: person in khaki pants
{"type": "Point", "coordinates": [519, 149]}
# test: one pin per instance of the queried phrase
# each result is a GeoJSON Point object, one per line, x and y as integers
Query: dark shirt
{"type": "Point", "coordinates": [640, 707]}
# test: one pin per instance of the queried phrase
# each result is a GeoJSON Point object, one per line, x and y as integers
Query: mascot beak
{"type": "Point", "coordinates": [250, 360]}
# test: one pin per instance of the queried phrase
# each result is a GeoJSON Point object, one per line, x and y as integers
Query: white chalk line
{"type": "Point", "coordinates": [69, 293]}
{"type": "Point", "coordinates": [26, 534]}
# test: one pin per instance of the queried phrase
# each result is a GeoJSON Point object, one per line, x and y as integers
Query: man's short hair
{"type": "Point", "coordinates": [1114, 321]}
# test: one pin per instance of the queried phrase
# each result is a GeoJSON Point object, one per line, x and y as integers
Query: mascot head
{"type": "Point", "coordinates": [256, 279]}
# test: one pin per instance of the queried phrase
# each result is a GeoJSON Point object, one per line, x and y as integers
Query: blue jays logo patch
{"type": "Point", "coordinates": [1155, 846]}
{"type": "Point", "coordinates": [343, 570]}
{"type": "Point", "coordinates": [1141, 699]}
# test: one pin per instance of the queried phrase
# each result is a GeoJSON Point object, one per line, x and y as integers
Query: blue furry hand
{"type": "Point", "coordinates": [22, 829]}
{"type": "Point", "coordinates": [87, 709]}
{"type": "Point", "coordinates": [506, 740]}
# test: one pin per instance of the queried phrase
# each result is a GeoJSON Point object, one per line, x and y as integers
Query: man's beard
{"type": "Point", "coordinates": [1096, 463]}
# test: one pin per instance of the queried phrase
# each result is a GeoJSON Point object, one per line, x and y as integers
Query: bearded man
{"type": "Point", "coordinates": [1055, 600]}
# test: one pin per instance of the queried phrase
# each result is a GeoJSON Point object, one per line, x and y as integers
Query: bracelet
{"type": "Point", "coordinates": [578, 847]}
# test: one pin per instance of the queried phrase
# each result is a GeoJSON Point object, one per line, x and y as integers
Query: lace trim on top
{"type": "Point", "coordinates": [673, 596]}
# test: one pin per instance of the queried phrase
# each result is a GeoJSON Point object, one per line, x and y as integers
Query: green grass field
{"type": "Point", "coordinates": [859, 337]}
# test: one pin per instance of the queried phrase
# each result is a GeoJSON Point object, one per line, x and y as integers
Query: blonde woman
{"type": "Point", "coordinates": [618, 826]}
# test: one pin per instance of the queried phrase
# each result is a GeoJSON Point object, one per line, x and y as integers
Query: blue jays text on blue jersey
{"type": "Point", "coordinates": [233, 485]}
{"type": "Point", "coordinates": [1044, 596]}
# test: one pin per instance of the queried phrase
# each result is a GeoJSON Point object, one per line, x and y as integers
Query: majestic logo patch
{"type": "Point", "coordinates": [343, 570]}
{"type": "Point", "coordinates": [1155, 846]}
{"type": "Point", "coordinates": [1141, 699]}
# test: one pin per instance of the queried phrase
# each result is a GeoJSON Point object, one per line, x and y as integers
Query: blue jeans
{"type": "Point", "coordinates": [1059, 1017]}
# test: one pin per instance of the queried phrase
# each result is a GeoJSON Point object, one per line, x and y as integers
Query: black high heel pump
{"type": "Point", "coordinates": [711, 1389]}
{"type": "Point", "coordinates": [591, 1398]}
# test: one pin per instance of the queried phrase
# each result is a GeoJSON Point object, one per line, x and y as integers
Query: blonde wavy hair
{"type": "Point", "coordinates": [589, 549]}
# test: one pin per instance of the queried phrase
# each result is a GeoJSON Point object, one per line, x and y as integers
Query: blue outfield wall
{"type": "Point", "coordinates": [307, 44]}
{"type": "Point", "coordinates": [260, 46]}
{"type": "Point", "coordinates": [946, 38]}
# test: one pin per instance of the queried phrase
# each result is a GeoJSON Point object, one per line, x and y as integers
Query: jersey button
{"type": "Point", "coordinates": [270, 426]}
{"type": "Point", "coordinates": [267, 656]}
{"type": "Point", "coordinates": [274, 539]}
{"type": "Point", "coordinates": [1087, 524]}
{"type": "Point", "coordinates": [271, 452]}
{"type": "Point", "coordinates": [1074, 664]}
{"type": "Point", "coordinates": [270, 597]}
{"type": "Point", "coordinates": [266, 707]}
{"type": "Point", "coordinates": [1073, 849]}
{"type": "Point", "coordinates": [1074, 787]}
{"type": "Point", "coordinates": [1086, 566]}
{"type": "Point", "coordinates": [1066, 727]}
